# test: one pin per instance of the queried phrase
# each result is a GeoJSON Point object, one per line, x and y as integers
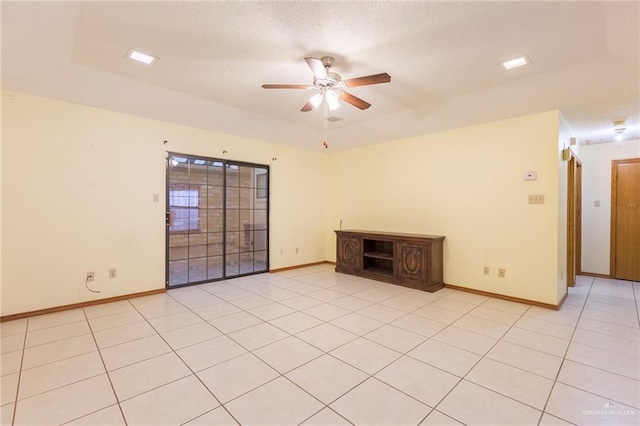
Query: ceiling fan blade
{"type": "Point", "coordinates": [316, 66]}
{"type": "Point", "coordinates": [355, 101]}
{"type": "Point", "coordinates": [369, 79]}
{"type": "Point", "coordinates": [307, 107]}
{"type": "Point", "coordinates": [284, 86]}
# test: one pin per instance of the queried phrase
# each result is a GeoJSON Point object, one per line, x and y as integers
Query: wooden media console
{"type": "Point", "coordinates": [410, 260]}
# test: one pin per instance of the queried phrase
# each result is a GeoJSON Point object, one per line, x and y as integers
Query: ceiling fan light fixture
{"type": "Point", "coordinates": [142, 57]}
{"type": "Point", "coordinates": [517, 62]}
{"type": "Point", "coordinates": [332, 100]}
{"type": "Point", "coordinates": [316, 100]}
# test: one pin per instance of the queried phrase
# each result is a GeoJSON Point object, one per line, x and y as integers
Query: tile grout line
{"type": "Point", "coordinates": [62, 359]}
{"type": "Point", "coordinates": [635, 298]}
{"type": "Point", "coordinates": [447, 344]}
{"type": "Point", "coordinates": [172, 350]}
{"type": "Point", "coordinates": [430, 337]}
{"type": "Point", "coordinates": [283, 375]}
{"type": "Point", "coordinates": [323, 352]}
{"type": "Point", "coordinates": [477, 362]}
{"type": "Point", "coordinates": [384, 324]}
{"type": "Point", "coordinates": [326, 407]}
{"type": "Point", "coordinates": [595, 394]}
{"type": "Point", "coordinates": [358, 336]}
{"type": "Point", "coordinates": [594, 367]}
{"type": "Point", "coordinates": [604, 350]}
{"type": "Point", "coordinates": [61, 339]}
{"type": "Point", "coordinates": [564, 357]}
{"type": "Point", "coordinates": [24, 344]}
{"type": "Point", "coordinates": [97, 347]}
{"type": "Point", "coordinates": [58, 387]}
{"type": "Point", "coordinates": [105, 371]}
{"type": "Point", "coordinates": [186, 365]}
{"type": "Point", "coordinates": [541, 334]}
{"type": "Point", "coordinates": [280, 375]}
{"type": "Point", "coordinates": [499, 339]}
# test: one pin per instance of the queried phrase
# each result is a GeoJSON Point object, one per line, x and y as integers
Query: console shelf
{"type": "Point", "coordinates": [379, 271]}
{"type": "Point", "coordinates": [410, 260]}
{"type": "Point", "coordinates": [378, 255]}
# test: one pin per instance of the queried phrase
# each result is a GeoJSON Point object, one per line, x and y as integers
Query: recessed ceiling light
{"type": "Point", "coordinates": [517, 62]}
{"type": "Point", "coordinates": [141, 57]}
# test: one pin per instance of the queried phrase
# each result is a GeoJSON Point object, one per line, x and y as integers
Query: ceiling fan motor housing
{"type": "Point", "coordinates": [332, 81]}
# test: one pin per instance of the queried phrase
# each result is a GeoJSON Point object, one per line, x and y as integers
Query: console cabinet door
{"type": "Point", "coordinates": [349, 253]}
{"type": "Point", "coordinates": [412, 261]}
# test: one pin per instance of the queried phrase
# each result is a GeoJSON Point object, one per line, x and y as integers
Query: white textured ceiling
{"type": "Point", "coordinates": [443, 58]}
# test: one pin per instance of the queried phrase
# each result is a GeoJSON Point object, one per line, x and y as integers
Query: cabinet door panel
{"type": "Point", "coordinates": [349, 252]}
{"type": "Point", "coordinates": [412, 261]}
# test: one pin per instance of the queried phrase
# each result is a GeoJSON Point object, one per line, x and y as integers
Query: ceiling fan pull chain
{"type": "Point", "coordinates": [324, 123]}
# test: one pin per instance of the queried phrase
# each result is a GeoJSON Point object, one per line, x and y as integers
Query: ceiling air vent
{"type": "Point", "coordinates": [333, 119]}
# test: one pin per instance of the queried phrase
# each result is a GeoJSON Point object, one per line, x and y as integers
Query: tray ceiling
{"type": "Point", "coordinates": [443, 58]}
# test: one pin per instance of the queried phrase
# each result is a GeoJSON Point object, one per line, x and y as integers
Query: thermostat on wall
{"type": "Point", "coordinates": [530, 176]}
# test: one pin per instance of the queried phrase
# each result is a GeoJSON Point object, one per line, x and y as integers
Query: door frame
{"type": "Point", "coordinates": [574, 220]}
{"type": "Point", "coordinates": [614, 209]}
{"type": "Point", "coordinates": [225, 162]}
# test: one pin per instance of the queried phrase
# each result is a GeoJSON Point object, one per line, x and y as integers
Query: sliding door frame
{"type": "Point", "coordinates": [225, 163]}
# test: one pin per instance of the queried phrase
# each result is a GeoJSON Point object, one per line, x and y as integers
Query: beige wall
{"type": "Point", "coordinates": [468, 185]}
{"type": "Point", "coordinates": [596, 184]}
{"type": "Point", "coordinates": [78, 185]}
{"type": "Point", "coordinates": [77, 196]}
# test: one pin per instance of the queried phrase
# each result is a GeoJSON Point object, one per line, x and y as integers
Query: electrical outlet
{"type": "Point", "coordinates": [91, 276]}
{"type": "Point", "coordinates": [112, 273]}
{"type": "Point", "coordinates": [297, 250]}
{"type": "Point", "coordinates": [281, 251]}
{"type": "Point", "coordinates": [501, 273]}
{"type": "Point", "coordinates": [485, 270]}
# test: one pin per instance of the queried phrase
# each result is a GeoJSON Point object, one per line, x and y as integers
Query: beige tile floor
{"type": "Point", "coordinates": [313, 347]}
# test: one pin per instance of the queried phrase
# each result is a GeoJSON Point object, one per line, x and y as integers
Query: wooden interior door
{"type": "Point", "coordinates": [625, 219]}
{"type": "Point", "coordinates": [578, 244]}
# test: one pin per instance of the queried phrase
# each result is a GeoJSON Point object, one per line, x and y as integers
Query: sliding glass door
{"type": "Point", "coordinates": [217, 219]}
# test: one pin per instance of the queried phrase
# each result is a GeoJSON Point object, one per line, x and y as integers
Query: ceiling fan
{"type": "Point", "coordinates": [331, 85]}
